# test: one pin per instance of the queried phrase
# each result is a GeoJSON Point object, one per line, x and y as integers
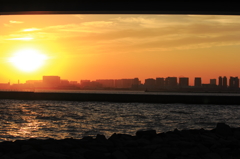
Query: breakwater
{"type": "Point", "coordinates": [221, 142]}
{"type": "Point", "coordinates": [143, 98]}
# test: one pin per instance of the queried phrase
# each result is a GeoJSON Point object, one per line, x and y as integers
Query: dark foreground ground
{"type": "Point", "coordinates": [222, 142]}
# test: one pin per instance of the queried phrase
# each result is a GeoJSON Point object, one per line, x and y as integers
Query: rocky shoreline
{"type": "Point", "coordinates": [221, 142]}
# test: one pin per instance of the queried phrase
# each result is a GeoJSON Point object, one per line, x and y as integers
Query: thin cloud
{"type": "Point", "coordinates": [24, 38]}
{"type": "Point", "coordinates": [31, 29]}
{"type": "Point", "coordinates": [87, 27]}
{"type": "Point", "coordinates": [6, 25]}
{"type": "Point", "coordinates": [15, 22]}
{"type": "Point", "coordinates": [78, 16]}
{"type": "Point", "coordinates": [98, 23]}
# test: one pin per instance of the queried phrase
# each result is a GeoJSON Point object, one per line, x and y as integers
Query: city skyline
{"type": "Point", "coordinates": [118, 46]}
{"type": "Point", "coordinates": [222, 81]}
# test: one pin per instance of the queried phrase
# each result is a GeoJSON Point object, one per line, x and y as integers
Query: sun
{"type": "Point", "coordinates": [28, 60]}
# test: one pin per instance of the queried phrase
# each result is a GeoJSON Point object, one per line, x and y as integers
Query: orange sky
{"type": "Point", "coordinates": [122, 46]}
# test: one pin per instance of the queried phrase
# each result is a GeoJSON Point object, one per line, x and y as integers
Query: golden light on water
{"type": "Point", "coordinates": [28, 60]}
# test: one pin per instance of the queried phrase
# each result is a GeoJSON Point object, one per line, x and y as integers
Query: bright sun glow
{"type": "Point", "coordinates": [28, 60]}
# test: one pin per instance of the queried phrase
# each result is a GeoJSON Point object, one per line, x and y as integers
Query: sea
{"type": "Point", "coordinates": [42, 119]}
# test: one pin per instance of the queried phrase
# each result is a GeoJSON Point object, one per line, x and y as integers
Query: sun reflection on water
{"type": "Point", "coordinates": [21, 119]}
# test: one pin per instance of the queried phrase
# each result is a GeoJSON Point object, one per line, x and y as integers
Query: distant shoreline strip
{"type": "Point", "coordinates": [142, 98]}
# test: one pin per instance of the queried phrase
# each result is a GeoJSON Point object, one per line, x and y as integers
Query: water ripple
{"type": "Point", "coordinates": [20, 119]}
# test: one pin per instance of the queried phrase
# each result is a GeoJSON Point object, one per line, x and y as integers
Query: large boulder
{"type": "Point", "coordinates": [223, 129]}
{"type": "Point", "coordinates": [146, 133]}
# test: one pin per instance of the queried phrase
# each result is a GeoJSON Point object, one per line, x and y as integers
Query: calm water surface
{"type": "Point", "coordinates": [22, 119]}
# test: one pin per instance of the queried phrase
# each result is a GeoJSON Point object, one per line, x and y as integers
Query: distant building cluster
{"type": "Point", "coordinates": [159, 83]}
{"type": "Point", "coordinates": [183, 82]}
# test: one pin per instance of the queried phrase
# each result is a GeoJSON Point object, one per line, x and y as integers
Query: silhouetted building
{"type": "Point", "coordinates": [85, 83]}
{"type": "Point", "coordinates": [197, 82]}
{"type": "Point", "coordinates": [220, 81]}
{"type": "Point", "coordinates": [136, 83]}
{"type": "Point", "coordinates": [224, 81]}
{"type": "Point", "coordinates": [73, 82]}
{"type": "Point", "coordinates": [150, 83]}
{"type": "Point", "coordinates": [51, 81]}
{"type": "Point", "coordinates": [118, 83]}
{"type": "Point", "coordinates": [171, 81]}
{"type": "Point", "coordinates": [126, 83]}
{"type": "Point", "coordinates": [33, 81]}
{"type": "Point", "coordinates": [183, 81]}
{"type": "Point", "coordinates": [64, 82]}
{"type": "Point", "coordinates": [159, 83]}
{"type": "Point", "coordinates": [213, 82]}
{"type": "Point", "coordinates": [4, 85]}
{"type": "Point", "coordinates": [106, 83]}
{"type": "Point", "coordinates": [234, 82]}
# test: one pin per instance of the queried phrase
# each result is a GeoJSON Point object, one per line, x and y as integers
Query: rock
{"type": "Point", "coordinates": [94, 155]}
{"type": "Point", "coordinates": [184, 144]}
{"type": "Point", "coordinates": [190, 151]}
{"type": "Point", "coordinates": [158, 156]}
{"type": "Point", "coordinates": [185, 133]}
{"type": "Point", "coordinates": [211, 156]}
{"type": "Point", "coordinates": [80, 151]}
{"type": "Point", "coordinates": [225, 142]}
{"type": "Point", "coordinates": [113, 137]}
{"type": "Point", "coordinates": [236, 134]}
{"type": "Point", "coordinates": [146, 133]}
{"type": "Point", "coordinates": [143, 142]}
{"type": "Point", "coordinates": [54, 154]}
{"type": "Point", "coordinates": [126, 137]}
{"type": "Point", "coordinates": [26, 147]}
{"type": "Point", "coordinates": [75, 156]}
{"type": "Point", "coordinates": [99, 148]}
{"type": "Point", "coordinates": [193, 157]}
{"type": "Point", "coordinates": [202, 149]}
{"type": "Point", "coordinates": [156, 140]}
{"type": "Point", "coordinates": [6, 157]}
{"type": "Point", "coordinates": [132, 143]}
{"type": "Point", "coordinates": [223, 129]}
{"type": "Point", "coordinates": [119, 155]}
{"type": "Point", "coordinates": [52, 147]}
{"type": "Point", "coordinates": [10, 147]}
{"type": "Point", "coordinates": [30, 155]}
{"type": "Point", "coordinates": [181, 157]}
{"type": "Point", "coordinates": [100, 138]}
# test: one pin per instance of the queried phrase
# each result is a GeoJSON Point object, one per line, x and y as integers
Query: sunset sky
{"type": "Point", "coordinates": [92, 47]}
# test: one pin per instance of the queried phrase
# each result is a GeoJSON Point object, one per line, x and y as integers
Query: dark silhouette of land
{"type": "Point", "coordinates": [143, 98]}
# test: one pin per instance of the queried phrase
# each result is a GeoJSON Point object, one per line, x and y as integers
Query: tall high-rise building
{"type": "Point", "coordinates": [171, 81]}
{"type": "Point", "coordinates": [234, 82]}
{"type": "Point", "coordinates": [213, 82]}
{"type": "Point", "coordinates": [85, 83]}
{"type": "Point", "coordinates": [197, 82]}
{"type": "Point", "coordinates": [183, 81]}
{"type": "Point", "coordinates": [220, 81]}
{"type": "Point", "coordinates": [107, 83]}
{"type": "Point", "coordinates": [136, 83]}
{"type": "Point", "coordinates": [51, 80]}
{"type": "Point", "coordinates": [150, 83]}
{"type": "Point", "coordinates": [224, 81]}
{"type": "Point", "coordinates": [159, 83]}
{"type": "Point", "coordinates": [126, 83]}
